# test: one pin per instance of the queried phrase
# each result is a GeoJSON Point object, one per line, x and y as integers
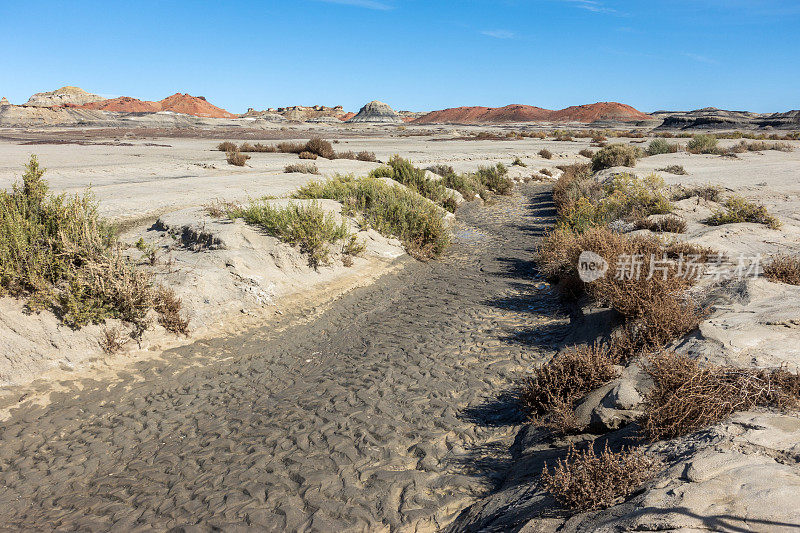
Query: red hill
{"type": "Point", "coordinates": [177, 103]}
{"type": "Point", "coordinates": [526, 113]}
{"type": "Point", "coordinates": [193, 105]}
{"type": "Point", "coordinates": [124, 104]}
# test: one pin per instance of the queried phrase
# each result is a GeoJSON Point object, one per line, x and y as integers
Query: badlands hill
{"type": "Point", "coordinates": [611, 111]}
{"type": "Point", "coordinates": [377, 113]}
{"type": "Point", "coordinates": [177, 103]}
{"type": "Point", "coordinates": [713, 118]}
{"type": "Point", "coordinates": [63, 96]}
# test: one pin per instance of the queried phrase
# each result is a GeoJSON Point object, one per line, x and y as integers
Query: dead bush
{"type": "Point", "coordinates": [169, 306]}
{"type": "Point", "coordinates": [301, 168]}
{"type": "Point", "coordinates": [287, 147]}
{"type": "Point", "coordinates": [112, 340]}
{"type": "Point", "coordinates": [678, 170]}
{"type": "Point", "coordinates": [585, 480]}
{"type": "Point", "coordinates": [668, 224]}
{"type": "Point", "coordinates": [547, 172]}
{"type": "Point", "coordinates": [784, 269]}
{"type": "Point", "coordinates": [237, 158]}
{"type": "Point", "coordinates": [320, 147]}
{"type": "Point", "coordinates": [549, 394]}
{"type": "Point", "coordinates": [367, 156]}
{"type": "Point", "coordinates": [545, 153]}
{"type": "Point", "coordinates": [688, 396]}
{"type": "Point", "coordinates": [690, 250]}
{"type": "Point", "coordinates": [227, 146]}
{"type": "Point", "coordinates": [307, 155]}
{"type": "Point", "coordinates": [345, 155]}
{"type": "Point", "coordinates": [586, 153]}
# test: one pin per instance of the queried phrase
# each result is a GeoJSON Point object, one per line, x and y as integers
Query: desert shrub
{"type": "Point", "coordinates": [402, 171]}
{"type": "Point", "coordinates": [307, 155]}
{"type": "Point", "coordinates": [585, 480]}
{"type": "Point", "coordinates": [675, 250]}
{"type": "Point", "coordinates": [783, 268]}
{"type": "Point", "coordinates": [227, 146]}
{"type": "Point", "coordinates": [518, 163]}
{"type": "Point", "coordinates": [545, 153]}
{"type": "Point", "coordinates": [702, 144]}
{"type": "Point", "coordinates": [345, 155]}
{"type": "Point", "coordinates": [547, 172]}
{"type": "Point", "coordinates": [549, 393]}
{"type": "Point", "coordinates": [629, 195]}
{"type": "Point", "coordinates": [615, 155]}
{"type": "Point", "coordinates": [392, 211]}
{"type": "Point", "coordinates": [320, 147]}
{"type": "Point", "coordinates": [495, 179]}
{"type": "Point", "coordinates": [564, 138]}
{"type": "Point", "coordinates": [366, 156]}
{"type": "Point", "coordinates": [761, 146]}
{"type": "Point", "coordinates": [236, 158]}
{"type": "Point", "coordinates": [287, 147]}
{"type": "Point", "coordinates": [302, 168]}
{"type": "Point", "coordinates": [111, 340]}
{"type": "Point", "coordinates": [571, 177]}
{"type": "Point", "coordinates": [586, 153]}
{"type": "Point", "coordinates": [669, 224]}
{"type": "Point", "coordinates": [442, 170]}
{"type": "Point", "coordinates": [660, 146]}
{"type": "Point", "coordinates": [673, 169]}
{"type": "Point", "coordinates": [706, 192]}
{"type": "Point", "coordinates": [688, 396]}
{"type": "Point", "coordinates": [467, 184]}
{"type": "Point", "coordinates": [168, 306]}
{"type": "Point", "coordinates": [738, 209]}
{"type": "Point", "coordinates": [308, 227]}
{"type": "Point", "coordinates": [599, 139]}
{"type": "Point", "coordinates": [58, 254]}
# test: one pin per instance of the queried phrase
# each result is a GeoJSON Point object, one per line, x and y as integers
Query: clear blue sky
{"type": "Point", "coordinates": [412, 54]}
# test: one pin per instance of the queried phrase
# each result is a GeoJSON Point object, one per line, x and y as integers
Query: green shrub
{"type": "Point", "coordinates": [58, 254]}
{"type": "Point", "coordinates": [402, 171]}
{"type": "Point", "coordinates": [615, 155]}
{"type": "Point", "coordinates": [660, 146]}
{"type": "Point", "coordinates": [308, 227]}
{"type": "Point", "coordinates": [495, 179]}
{"type": "Point", "coordinates": [738, 209]}
{"type": "Point", "coordinates": [702, 144]}
{"type": "Point", "coordinates": [392, 211]}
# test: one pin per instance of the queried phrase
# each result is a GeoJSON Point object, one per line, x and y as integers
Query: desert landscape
{"type": "Point", "coordinates": [400, 267]}
{"type": "Point", "coordinates": [312, 320]}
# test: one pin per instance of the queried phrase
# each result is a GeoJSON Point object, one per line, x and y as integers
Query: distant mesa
{"type": "Point", "coordinates": [378, 113]}
{"type": "Point", "coordinates": [64, 96]}
{"type": "Point", "coordinates": [125, 104]}
{"type": "Point", "coordinates": [600, 111]}
{"type": "Point", "coordinates": [299, 113]}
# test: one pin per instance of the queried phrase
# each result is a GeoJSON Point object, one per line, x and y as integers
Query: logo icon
{"type": "Point", "coordinates": [591, 266]}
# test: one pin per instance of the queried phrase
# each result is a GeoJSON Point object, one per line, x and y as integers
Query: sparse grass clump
{"type": "Point", "coordinates": [702, 144]}
{"type": "Point", "coordinates": [585, 480]}
{"type": "Point", "coordinates": [615, 155]}
{"type": "Point", "coordinates": [549, 394]}
{"type": "Point", "coordinates": [227, 146]}
{"type": "Point", "coordinates": [711, 193]}
{"type": "Point", "coordinates": [545, 153]}
{"type": "Point", "coordinates": [308, 227]}
{"type": "Point", "coordinates": [660, 146]}
{"type": "Point", "coordinates": [302, 168]}
{"type": "Point", "coordinates": [784, 269]}
{"type": "Point", "coordinates": [586, 153]}
{"type": "Point", "coordinates": [738, 209]}
{"type": "Point", "coordinates": [678, 170]}
{"type": "Point", "coordinates": [518, 163]}
{"type": "Point", "coordinates": [59, 255]}
{"type": "Point", "coordinates": [688, 396]}
{"type": "Point", "coordinates": [392, 211]}
{"type": "Point", "coordinates": [236, 158]}
{"type": "Point", "coordinates": [761, 146]}
{"type": "Point", "coordinates": [547, 172]}
{"type": "Point", "coordinates": [307, 155]}
{"type": "Point", "coordinates": [668, 224]}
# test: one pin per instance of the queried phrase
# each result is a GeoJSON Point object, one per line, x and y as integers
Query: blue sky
{"type": "Point", "coordinates": [412, 54]}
